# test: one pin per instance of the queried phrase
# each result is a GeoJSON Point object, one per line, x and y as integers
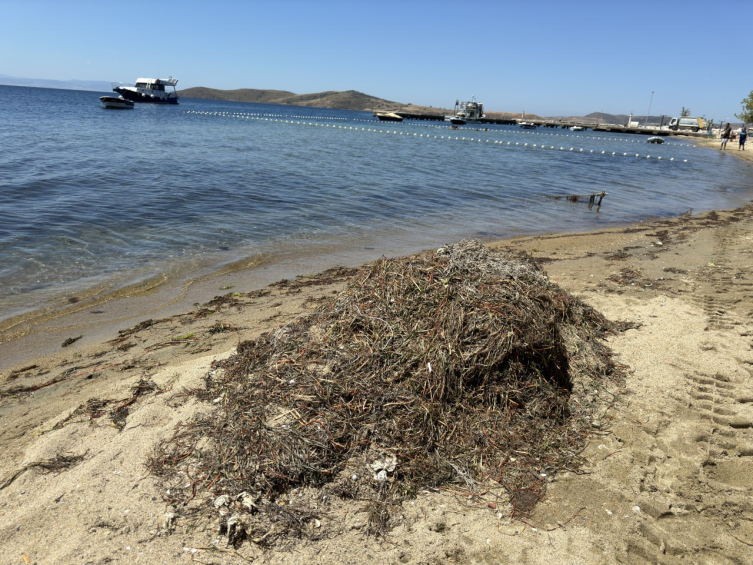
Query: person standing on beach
{"type": "Point", "coordinates": [743, 137]}
{"type": "Point", "coordinates": [726, 134]}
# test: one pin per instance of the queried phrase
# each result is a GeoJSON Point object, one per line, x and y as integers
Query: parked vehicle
{"type": "Point", "coordinates": [692, 124]}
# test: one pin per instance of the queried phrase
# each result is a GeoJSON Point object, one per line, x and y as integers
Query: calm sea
{"type": "Point", "coordinates": [92, 200]}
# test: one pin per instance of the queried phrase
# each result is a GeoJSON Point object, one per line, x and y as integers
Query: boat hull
{"type": "Point", "coordinates": [116, 103]}
{"type": "Point", "coordinates": [455, 121]}
{"type": "Point", "coordinates": [141, 97]}
{"type": "Point", "coordinates": [390, 117]}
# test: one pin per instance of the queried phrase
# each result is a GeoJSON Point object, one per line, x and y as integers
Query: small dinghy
{"type": "Point", "coordinates": [389, 117]}
{"type": "Point", "coordinates": [116, 102]}
{"type": "Point", "coordinates": [655, 139]}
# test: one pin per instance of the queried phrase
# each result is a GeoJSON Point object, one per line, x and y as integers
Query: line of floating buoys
{"type": "Point", "coordinates": [257, 114]}
{"type": "Point", "coordinates": [427, 136]}
{"type": "Point", "coordinates": [432, 125]}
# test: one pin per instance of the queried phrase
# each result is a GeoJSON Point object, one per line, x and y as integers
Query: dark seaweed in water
{"type": "Point", "coordinates": [451, 367]}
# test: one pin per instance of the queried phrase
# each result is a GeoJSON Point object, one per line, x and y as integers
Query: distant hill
{"type": "Point", "coordinates": [94, 85]}
{"type": "Point", "coordinates": [601, 117]}
{"type": "Point", "coordinates": [347, 100]}
{"type": "Point", "coordinates": [239, 95]}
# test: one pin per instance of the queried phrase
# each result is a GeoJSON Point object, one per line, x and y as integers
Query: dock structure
{"type": "Point", "coordinates": [440, 118]}
{"type": "Point", "coordinates": [561, 124]}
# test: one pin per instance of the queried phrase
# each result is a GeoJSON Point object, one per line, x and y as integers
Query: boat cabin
{"type": "Point", "coordinates": [150, 90]}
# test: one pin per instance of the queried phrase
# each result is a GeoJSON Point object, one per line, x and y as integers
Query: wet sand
{"type": "Point", "coordinates": [670, 466]}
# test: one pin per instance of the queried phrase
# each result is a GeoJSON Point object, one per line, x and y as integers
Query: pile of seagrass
{"type": "Point", "coordinates": [452, 369]}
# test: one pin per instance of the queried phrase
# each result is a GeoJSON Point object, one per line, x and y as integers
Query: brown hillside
{"type": "Point", "coordinates": [239, 95]}
{"type": "Point", "coordinates": [347, 100]}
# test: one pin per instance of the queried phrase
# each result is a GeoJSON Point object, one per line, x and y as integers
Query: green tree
{"type": "Point", "coordinates": [746, 114]}
{"type": "Point", "coordinates": [685, 112]}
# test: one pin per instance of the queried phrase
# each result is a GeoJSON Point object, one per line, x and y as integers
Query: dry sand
{"type": "Point", "coordinates": [669, 477]}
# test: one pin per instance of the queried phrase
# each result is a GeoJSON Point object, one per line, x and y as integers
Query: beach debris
{"type": "Point", "coordinates": [70, 373]}
{"type": "Point", "coordinates": [116, 410]}
{"type": "Point", "coordinates": [18, 372]}
{"type": "Point", "coordinates": [234, 527]}
{"type": "Point", "coordinates": [626, 276]}
{"type": "Point", "coordinates": [70, 341]}
{"type": "Point", "coordinates": [221, 501]}
{"type": "Point", "coordinates": [248, 501]}
{"type": "Point", "coordinates": [384, 464]}
{"type": "Point", "coordinates": [168, 520]}
{"type": "Point", "coordinates": [57, 464]}
{"type": "Point", "coordinates": [445, 370]}
{"type": "Point", "coordinates": [593, 198]}
{"type": "Point", "coordinates": [122, 334]}
{"type": "Point", "coordinates": [220, 327]}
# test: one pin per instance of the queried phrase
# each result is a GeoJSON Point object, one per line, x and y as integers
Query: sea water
{"type": "Point", "coordinates": [92, 200]}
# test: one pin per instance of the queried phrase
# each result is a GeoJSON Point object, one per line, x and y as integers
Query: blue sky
{"type": "Point", "coordinates": [544, 57]}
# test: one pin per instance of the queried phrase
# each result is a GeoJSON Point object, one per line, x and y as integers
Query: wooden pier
{"type": "Point", "coordinates": [440, 118]}
{"type": "Point", "coordinates": [561, 124]}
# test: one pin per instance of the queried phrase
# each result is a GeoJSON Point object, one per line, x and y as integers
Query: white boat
{"type": "Point", "coordinates": [389, 117]}
{"type": "Point", "coordinates": [466, 112]}
{"type": "Point", "coordinates": [115, 102]}
{"type": "Point", "coordinates": [527, 125]}
{"type": "Point", "coordinates": [151, 90]}
{"type": "Point", "coordinates": [577, 128]}
{"type": "Point", "coordinates": [655, 139]}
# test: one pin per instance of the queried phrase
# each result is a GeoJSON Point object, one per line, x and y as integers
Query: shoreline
{"type": "Point", "coordinates": [40, 332]}
{"type": "Point", "coordinates": [669, 467]}
{"type": "Point", "coordinates": [732, 147]}
{"type": "Point", "coordinates": [95, 311]}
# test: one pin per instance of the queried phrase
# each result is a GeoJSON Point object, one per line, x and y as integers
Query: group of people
{"type": "Point", "coordinates": [727, 135]}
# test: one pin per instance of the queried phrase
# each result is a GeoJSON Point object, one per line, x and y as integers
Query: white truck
{"type": "Point", "coordinates": [692, 124]}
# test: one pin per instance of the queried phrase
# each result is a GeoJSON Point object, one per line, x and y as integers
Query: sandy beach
{"type": "Point", "coordinates": [669, 462]}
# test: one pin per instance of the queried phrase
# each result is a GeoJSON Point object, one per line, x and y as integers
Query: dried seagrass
{"type": "Point", "coordinates": [448, 368]}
